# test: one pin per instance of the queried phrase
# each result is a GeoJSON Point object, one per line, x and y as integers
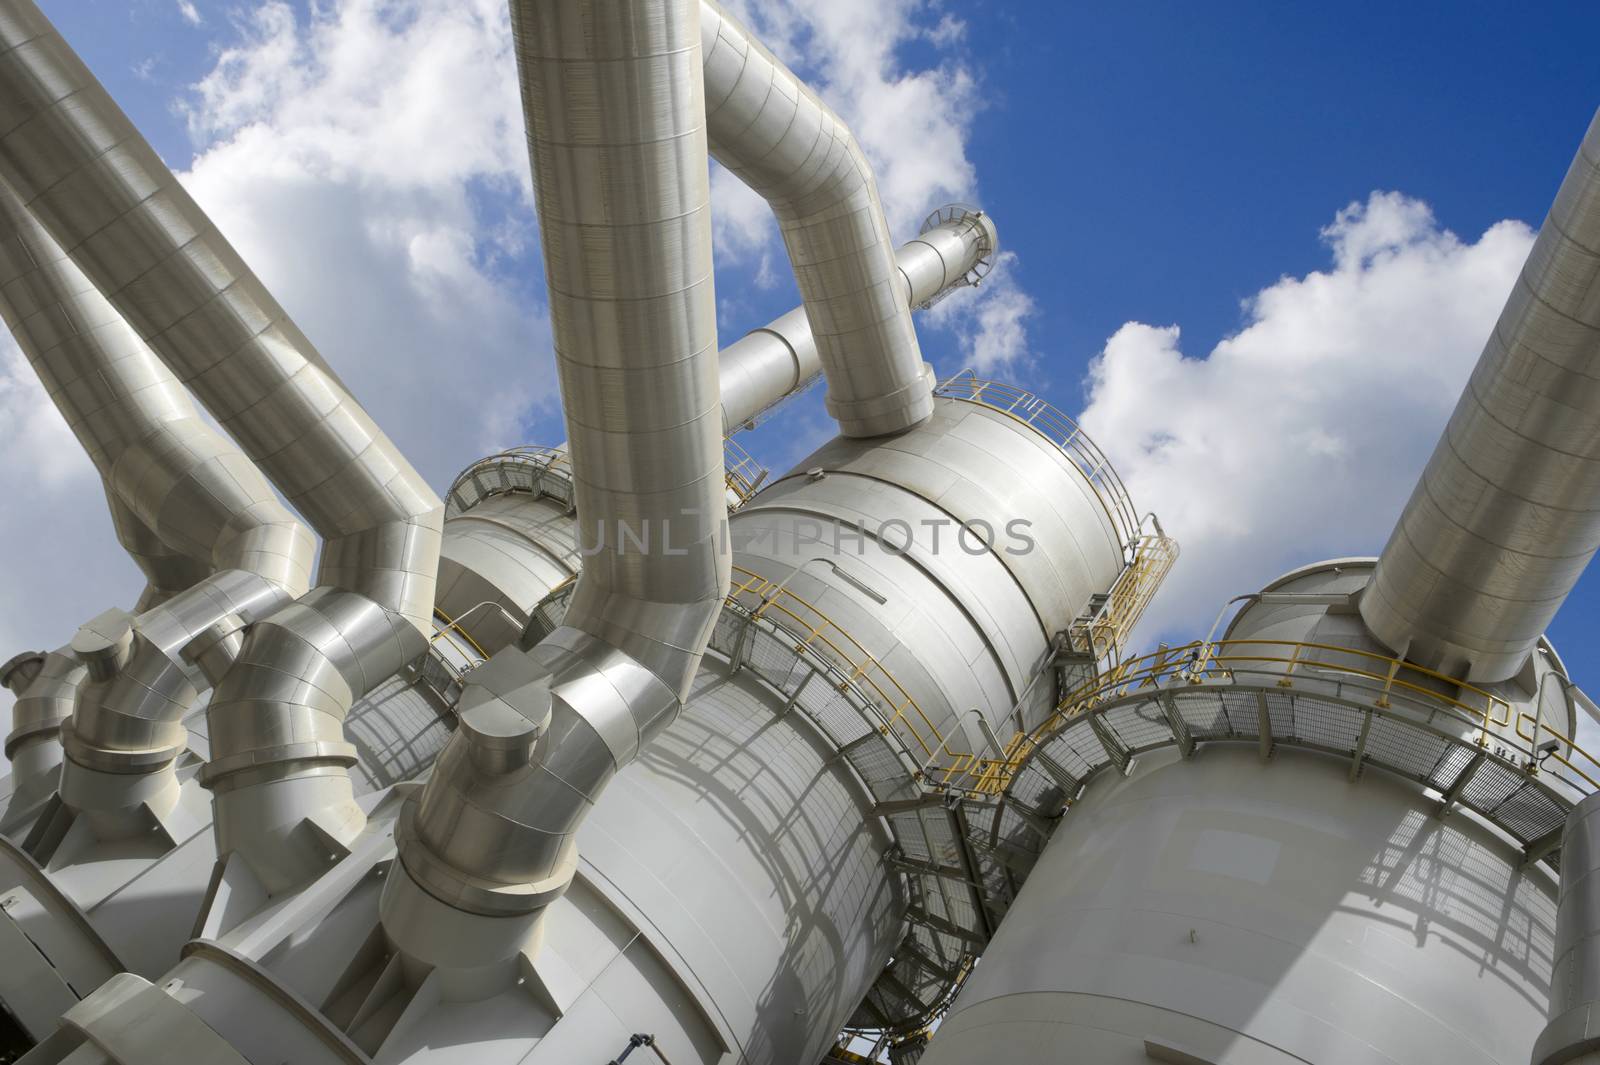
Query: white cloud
{"type": "Point", "coordinates": [370, 165]}
{"type": "Point", "coordinates": [912, 123]}
{"type": "Point", "coordinates": [1301, 436]}
{"type": "Point", "coordinates": [990, 321]}
{"type": "Point", "coordinates": [190, 13]}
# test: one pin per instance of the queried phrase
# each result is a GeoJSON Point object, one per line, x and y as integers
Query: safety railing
{"type": "Point", "coordinates": [532, 469]}
{"type": "Point", "coordinates": [1061, 431]}
{"type": "Point", "coordinates": [1483, 717]}
{"type": "Point", "coordinates": [548, 471]}
{"type": "Point", "coordinates": [900, 715]}
{"type": "Point", "coordinates": [744, 474]}
{"type": "Point", "coordinates": [1106, 633]}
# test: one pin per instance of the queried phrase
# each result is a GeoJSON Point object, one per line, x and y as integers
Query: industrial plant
{"type": "Point", "coordinates": [625, 749]}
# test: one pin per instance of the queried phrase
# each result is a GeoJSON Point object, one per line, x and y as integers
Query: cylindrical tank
{"type": "Point", "coordinates": [1240, 912]}
{"type": "Point", "coordinates": [773, 859]}
{"type": "Point", "coordinates": [1315, 853]}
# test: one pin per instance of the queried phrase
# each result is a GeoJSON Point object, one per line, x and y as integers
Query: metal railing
{"type": "Point", "coordinates": [1061, 431]}
{"type": "Point", "coordinates": [548, 471]}
{"type": "Point", "coordinates": [532, 469]}
{"type": "Point", "coordinates": [899, 715]}
{"type": "Point", "coordinates": [1106, 633]}
{"type": "Point", "coordinates": [1480, 716]}
{"type": "Point", "coordinates": [744, 474]}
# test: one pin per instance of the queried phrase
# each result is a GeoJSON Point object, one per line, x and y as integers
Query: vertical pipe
{"type": "Point", "coordinates": [616, 130]}
{"type": "Point", "coordinates": [1573, 1034]}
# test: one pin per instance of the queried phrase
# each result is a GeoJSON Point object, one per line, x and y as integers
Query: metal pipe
{"type": "Point", "coordinates": [775, 135]}
{"type": "Point", "coordinates": [1573, 1034]}
{"type": "Point", "coordinates": [276, 719]}
{"type": "Point", "coordinates": [767, 365]}
{"type": "Point", "coordinates": [1507, 513]}
{"type": "Point", "coordinates": [45, 685]}
{"type": "Point", "coordinates": [616, 131]}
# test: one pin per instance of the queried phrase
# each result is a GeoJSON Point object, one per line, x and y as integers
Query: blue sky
{"type": "Point", "coordinates": [1149, 165]}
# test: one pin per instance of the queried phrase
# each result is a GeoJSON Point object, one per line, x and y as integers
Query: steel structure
{"type": "Point", "coordinates": [626, 748]}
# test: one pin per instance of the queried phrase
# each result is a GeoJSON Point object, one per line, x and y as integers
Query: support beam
{"type": "Point", "coordinates": [929, 801]}
{"type": "Point", "coordinates": [888, 979]}
{"type": "Point", "coordinates": [1118, 754]}
{"type": "Point", "coordinates": [1453, 794]}
{"type": "Point", "coordinates": [917, 915]}
{"type": "Point", "coordinates": [1066, 781]}
{"type": "Point", "coordinates": [1361, 746]}
{"type": "Point", "coordinates": [912, 865]}
{"type": "Point", "coordinates": [911, 950]}
{"type": "Point", "coordinates": [794, 696]}
{"type": "Point", "coordinates": [958, 829]}
{"type": "Point", "coordinates": [1542, 847]}
{"type": "Point", "coordinates": [1264, 725]}
{"type": "Point", "coordinates": [1175, 721]}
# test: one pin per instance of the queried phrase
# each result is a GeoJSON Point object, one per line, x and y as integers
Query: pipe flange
{"type": "Point", "coordinates": [16, 670]}
{"type": "Point", "coordinates": [333, 752]}
{"type": "Point", "coordinates": [23, 732]}
{"type": "Point", "coordinates": [104, 643]}
{"type": "Point", "coordinates": [476, 894]}
{"type": "Point", "coordinates": [130, 761]}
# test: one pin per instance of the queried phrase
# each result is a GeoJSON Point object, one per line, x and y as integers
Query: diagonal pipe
{"type": "Point", "coordinates": [212, 538]}
{"type": "Point", "coordinates": [1506, 515]}
{"type": "Point", "coordinates": [282, 793]}
{"type": "Point", "coordinates": [769, 364]}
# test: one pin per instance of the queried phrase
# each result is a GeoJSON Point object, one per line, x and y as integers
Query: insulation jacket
{"type": "Point", "coordinates": [1507, 513]}
{"type": "Point", "coordinates": [616, 129]}
{"type": "Point", "coordinates": [776, 136]}
{"type": "Point", "coordinates": [102, 192]}
{"type": "Point", "coordinates": [769, 364]}
{"type": "Point", "coordinates": [203, 524]}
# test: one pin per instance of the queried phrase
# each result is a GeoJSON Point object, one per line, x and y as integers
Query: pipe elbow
{"type": "Point", "coordinates": [541, 735]}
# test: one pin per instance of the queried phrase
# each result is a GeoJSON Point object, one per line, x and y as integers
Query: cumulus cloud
{"type": "Point", "coordinates": [1300, 437]}
{"type": "Point", "coordinates": [368, 161]}
{"type": "Point", "coordinates": [990, 320]}
{"type": "Point", "coordinates": [913, 123]}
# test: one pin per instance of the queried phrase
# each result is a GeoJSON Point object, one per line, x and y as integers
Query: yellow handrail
{"type": "Point", "coordinates": [744, 474]}
{"type": "Point", "coordinates": [1475, 708]}
{"type": "Point", "coordinates": [1107, 633]}
{"type": "Point", "coordinates": [453, 625]}
{"type": "Point", "coordinates": [812, 628]}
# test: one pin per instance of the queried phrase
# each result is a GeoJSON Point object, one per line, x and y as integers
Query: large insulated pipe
{"type": "Point", "coordinates": [279, 757]}
{"type": "Point", "coordinates": [1507, 513]}
{"type": "Point", "coordinates": [1573, 1034]}
{"type": "Point", "coordinates": [184, 499]}
{"type": "Point", "coordinates": [775, 135]}
{"type": "Point", "coordinates": [45, 685]}
{"type": "Point", "coordinates": [616, 132]}
{"type": "Point", "coordinates": [769, 364]}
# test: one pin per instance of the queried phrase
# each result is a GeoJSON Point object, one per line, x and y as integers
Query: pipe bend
{"type": "Point", "coordinates": [771, 131]}
{"type": "Point", "coordinates": [104, 194]}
